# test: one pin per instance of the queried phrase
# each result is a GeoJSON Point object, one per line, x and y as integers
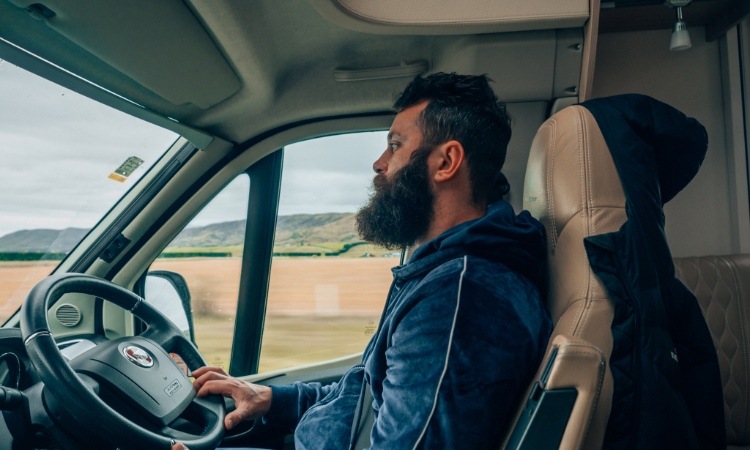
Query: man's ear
{"type": "Point", "coordinates": [448, 159]}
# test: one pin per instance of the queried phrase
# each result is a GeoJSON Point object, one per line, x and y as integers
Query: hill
{"type": "Point", "coordinates": [214, 235]}
{"type": "Point", "coordinates": [301, 229]}
{"type": "Point", "coordinates": [297, 230]}
{"type": "Point", "coordinates": [42, 240]}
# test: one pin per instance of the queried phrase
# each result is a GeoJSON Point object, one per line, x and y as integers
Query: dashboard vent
{"type": "Point", "coordinates": [68, 315]}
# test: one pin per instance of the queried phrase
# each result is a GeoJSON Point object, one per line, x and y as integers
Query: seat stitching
{"type": "Point", "coordinates": [550, 169]}
{"type": "Point", "coordinates": [583, 158]}
{"type": "Point", "coordinates": [743, 332]}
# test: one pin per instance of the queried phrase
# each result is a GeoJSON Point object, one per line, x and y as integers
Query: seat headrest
{"type": "Point", "coordinates": [571, 173]}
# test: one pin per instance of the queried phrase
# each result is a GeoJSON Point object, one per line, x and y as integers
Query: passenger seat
{"type": "Point", "coordinates": [573, 188]}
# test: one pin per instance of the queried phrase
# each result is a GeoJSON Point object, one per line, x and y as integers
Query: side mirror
{"type": "Point", "coordinates": [168, 292]}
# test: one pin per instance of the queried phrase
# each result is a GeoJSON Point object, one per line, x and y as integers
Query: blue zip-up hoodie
{"type": "Point", "coordinates": [462, 333]}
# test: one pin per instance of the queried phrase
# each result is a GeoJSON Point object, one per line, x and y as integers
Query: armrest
{"type": "Point", "coordinates": [558, 411]}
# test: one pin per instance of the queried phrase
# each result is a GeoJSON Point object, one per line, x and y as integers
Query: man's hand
{"type": "Point", "coordinates": [181, 364]}
{"type": "Point", "coordinates": [251, 400]}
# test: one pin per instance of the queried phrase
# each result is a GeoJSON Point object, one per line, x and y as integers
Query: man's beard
{"type": "Point", "coordinates": [399, 210]}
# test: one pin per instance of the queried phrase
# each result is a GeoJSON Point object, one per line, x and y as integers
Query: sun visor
{"type": "Point", "coordinates": [167, 42]}
{"type": "Point", "coordinates": [453, 17]}
{"type": "Point", "coordinates": [527, 66]}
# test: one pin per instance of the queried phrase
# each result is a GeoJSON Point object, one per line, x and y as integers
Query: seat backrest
{"type": "Point", "coordinates": [722, 286]}
{"type": "Point", "coordinates": [573, 188]}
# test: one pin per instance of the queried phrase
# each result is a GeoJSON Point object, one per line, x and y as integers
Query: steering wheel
{"type": "Point", "coordinates": [136, 372]}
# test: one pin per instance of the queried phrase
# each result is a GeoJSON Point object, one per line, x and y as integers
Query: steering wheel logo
{"type": "Point", "coordinates": [138, 356]}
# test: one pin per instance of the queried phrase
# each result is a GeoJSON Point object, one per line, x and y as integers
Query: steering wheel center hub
{"type": "Point", "coordinates": [138, 356]}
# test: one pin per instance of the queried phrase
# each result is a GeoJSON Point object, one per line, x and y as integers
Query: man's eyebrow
{"type": "Point", "coordinates": [392, 134]}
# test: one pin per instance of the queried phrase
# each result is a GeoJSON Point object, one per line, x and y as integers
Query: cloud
{"type": "Point", "coordinates": [59, 147]}
{"type": "Point", "coordinates": [331, 174]}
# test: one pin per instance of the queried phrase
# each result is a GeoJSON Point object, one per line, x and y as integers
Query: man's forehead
{"type": "Point", "coordinates": [393, 134]}
{"type": "Point", "coordinates": [406, 119]}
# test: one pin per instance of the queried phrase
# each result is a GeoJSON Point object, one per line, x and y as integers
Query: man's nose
{"type": "Point", "coordinates": [380, 164]}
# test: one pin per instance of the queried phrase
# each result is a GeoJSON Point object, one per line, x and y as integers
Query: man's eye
{"type": "Point", "coordinates": [393, 146]}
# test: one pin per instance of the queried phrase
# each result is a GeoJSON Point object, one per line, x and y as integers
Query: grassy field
{"type": "Point", "coordinates": [289, 341]}
{"type": "Point", "coordinates": [318, 308]}
{"type": "Point", "coordinates": [235, 250]}
{"type": "Point", "coordinates": [17, 279]}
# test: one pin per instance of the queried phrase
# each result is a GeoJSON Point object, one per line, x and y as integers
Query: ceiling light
{"type": "Point", "coordinates": [680, 36]}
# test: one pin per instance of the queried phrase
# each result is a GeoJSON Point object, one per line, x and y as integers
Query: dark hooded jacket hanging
{"type": "Point", "coordinates": [667, 386]}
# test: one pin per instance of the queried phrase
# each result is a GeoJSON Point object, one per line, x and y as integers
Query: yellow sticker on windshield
{"type": "Point", "coordinates": [123, 172]}
{"type": "Point", "coordinates": [114, 176]}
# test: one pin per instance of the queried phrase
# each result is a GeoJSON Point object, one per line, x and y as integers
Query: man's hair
{"type": "Point", "coordinates": [464, 108]}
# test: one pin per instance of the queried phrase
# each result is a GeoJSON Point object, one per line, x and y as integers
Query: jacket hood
{"type": "Point", "coordinates": [647, 137]}
{"type": "Point", "coordinates": [516, 241]}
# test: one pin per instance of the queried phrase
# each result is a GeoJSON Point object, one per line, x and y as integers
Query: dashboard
{"type": "Point", "coordinates": [25, 422]}
{"type": "Point", "coordinates": [16, 374]}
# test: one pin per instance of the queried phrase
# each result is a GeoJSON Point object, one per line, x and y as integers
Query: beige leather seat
{"type": "Point", "coordinates": [722, 286]}
{"type": "Point", "coordinates": [572, 187]}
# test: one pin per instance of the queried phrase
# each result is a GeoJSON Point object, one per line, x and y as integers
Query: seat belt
{"type": "Point", "coordinates": [364, 415]}
{"type": "Point", "coordinates": [364, 419]}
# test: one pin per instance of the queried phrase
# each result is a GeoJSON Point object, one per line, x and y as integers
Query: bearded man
{"type": "Point", "coordinates": [463, 328]}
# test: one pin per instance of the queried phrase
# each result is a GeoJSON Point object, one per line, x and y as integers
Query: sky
{"type": "Point", "coordinates": [58, 149]}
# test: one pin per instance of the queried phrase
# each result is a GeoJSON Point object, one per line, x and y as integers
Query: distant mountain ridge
{"type": "Point", "coordinates": [295, 229]}
{"type": "Point", "coordinates": [42, 240]}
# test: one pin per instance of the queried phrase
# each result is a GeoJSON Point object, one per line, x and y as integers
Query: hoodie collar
{"type": "Point", "coordinates": [517, 241]}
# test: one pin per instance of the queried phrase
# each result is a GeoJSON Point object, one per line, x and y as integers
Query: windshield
{"type": "Point", "coordinates": [66, 160]}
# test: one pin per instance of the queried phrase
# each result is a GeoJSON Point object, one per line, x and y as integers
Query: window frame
{"type": "Point", "coordinates": [262, 215]}
{"type": "Point", "coordinates": [255, 274]}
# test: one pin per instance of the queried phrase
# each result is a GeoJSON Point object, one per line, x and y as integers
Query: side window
{"type": "Point", "coordinates": [327, 287]}
{"type": "Point", "coordinates": [208, 255]}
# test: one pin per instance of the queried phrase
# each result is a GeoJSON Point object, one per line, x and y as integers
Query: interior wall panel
{"type": "Point", "coordinates": [698, 219]}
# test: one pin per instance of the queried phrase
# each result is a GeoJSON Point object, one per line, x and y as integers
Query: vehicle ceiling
{"type": "Point", "coordinates": [237, 68]}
